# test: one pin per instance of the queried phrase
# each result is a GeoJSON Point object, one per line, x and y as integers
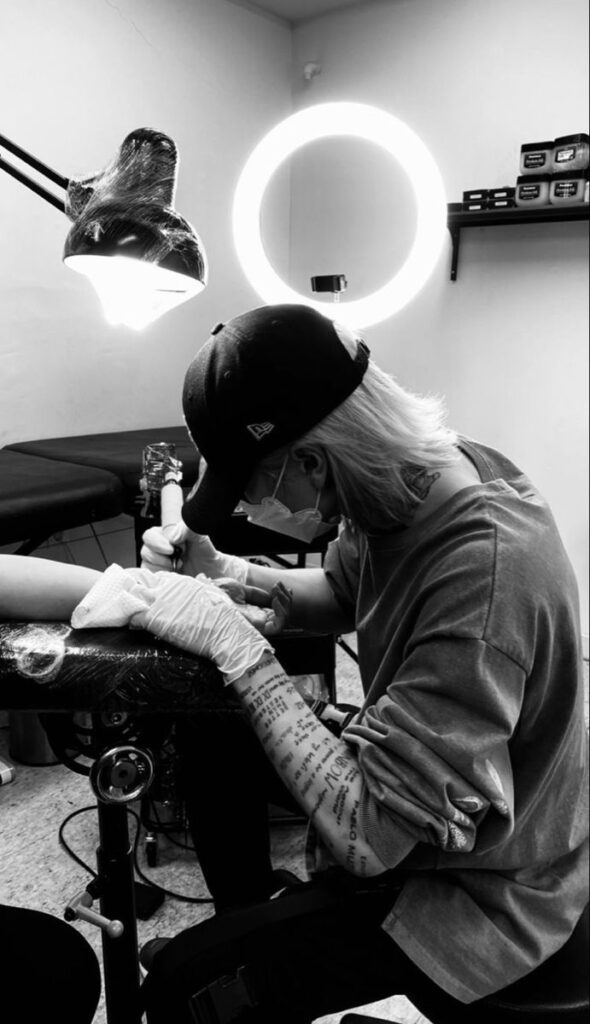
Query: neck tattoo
{"type": "Point", "coordinates": [418, 480]}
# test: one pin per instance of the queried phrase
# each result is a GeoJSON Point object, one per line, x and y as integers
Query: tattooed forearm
{"type": "Point", "coordinates": [266, 660]}
{"type": "Point", "coordinates": [319, 769]}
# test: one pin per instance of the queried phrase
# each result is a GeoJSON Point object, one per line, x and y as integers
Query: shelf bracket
{"type": "Point", "coordinates": [455, 240]}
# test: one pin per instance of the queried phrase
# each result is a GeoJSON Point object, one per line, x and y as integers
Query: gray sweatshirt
{"type": "Point", "coordinates": [471, 739]}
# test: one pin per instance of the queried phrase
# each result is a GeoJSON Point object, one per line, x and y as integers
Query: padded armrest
{"type": "Point", "coordinates": [48, 666]}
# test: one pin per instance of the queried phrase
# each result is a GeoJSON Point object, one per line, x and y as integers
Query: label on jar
{"type": "Point", "coordinates": [563, 156]}
{"type": "Point", "coordinates": [563, 189]}
{"type": "Point", "coordinates": [529, 191]}
{"type": "Point", "coordinates": [534, 159]}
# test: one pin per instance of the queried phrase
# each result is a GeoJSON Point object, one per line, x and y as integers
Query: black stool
{"type": "Point", "coordinates": [555, 992]}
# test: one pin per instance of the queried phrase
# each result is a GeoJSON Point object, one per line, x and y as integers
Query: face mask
{"type": "Point", "coordinates": [270, 513]}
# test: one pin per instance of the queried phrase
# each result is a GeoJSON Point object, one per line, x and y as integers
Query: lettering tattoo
{"type": "Point", "coordinates": [266, 660]}
{"type": "Point", "coordinates": [320, 770]}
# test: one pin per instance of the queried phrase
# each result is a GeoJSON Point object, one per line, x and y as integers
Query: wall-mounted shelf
{"type": "Point", "coordinates": [456, 221]}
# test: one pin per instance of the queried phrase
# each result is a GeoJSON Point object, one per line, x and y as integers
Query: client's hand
{"type": "Point", "coordinates": [194, 554]}
{"type": "Point", "coordinates": [268, 612]}
{"type": "Point", "coordinates": [194, 614]}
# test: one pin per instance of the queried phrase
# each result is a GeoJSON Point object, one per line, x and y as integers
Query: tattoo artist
{"type": "Point", "coordinates": [449, 852]}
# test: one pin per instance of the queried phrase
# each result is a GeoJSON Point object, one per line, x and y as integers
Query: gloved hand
{"type": "Point", "coordinates": [193, 614]}
{"type": "Point", "coordinates": [198, 555]}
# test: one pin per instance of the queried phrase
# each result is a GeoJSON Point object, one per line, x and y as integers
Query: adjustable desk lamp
{"type": "Point", "coordinates": [142, 257]}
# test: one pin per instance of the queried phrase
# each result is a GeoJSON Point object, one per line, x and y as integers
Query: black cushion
{"type": "Point", "coordinates": [119, 453]}
{"type": "Point", "coordinates": [39, 496]}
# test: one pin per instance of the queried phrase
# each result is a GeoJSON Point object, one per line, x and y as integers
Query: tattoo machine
{"type": "Point", "coordinates": [161, 486]}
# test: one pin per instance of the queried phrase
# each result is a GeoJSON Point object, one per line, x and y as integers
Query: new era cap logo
{"type": "Point", "coordinates": [260, 430]}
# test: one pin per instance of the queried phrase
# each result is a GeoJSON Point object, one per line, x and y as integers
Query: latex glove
{"type": "Point", "coordinates": [193, 614]}
{"type": "Point", "coordinates": [268, 612]}
{"type": "Point", "coordinates": [197, 554]}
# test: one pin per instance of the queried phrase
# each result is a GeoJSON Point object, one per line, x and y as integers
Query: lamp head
{"type": "Point", "coordinates": [142, 257]}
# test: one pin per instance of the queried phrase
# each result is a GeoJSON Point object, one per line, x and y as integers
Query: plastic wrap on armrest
{"type": "Point", "coordinates": [48, 666]}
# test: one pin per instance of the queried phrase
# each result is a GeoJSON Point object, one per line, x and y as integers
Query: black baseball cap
{"type": "Point", "coordinates": [260, 382]}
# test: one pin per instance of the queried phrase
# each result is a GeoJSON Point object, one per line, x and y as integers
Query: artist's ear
{"type": "Point", "coordinates": [312, 462]}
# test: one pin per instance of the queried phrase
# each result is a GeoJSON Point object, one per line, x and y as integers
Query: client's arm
{"type": "Point", "coordinates": [313, 605]}
{"type": "Point", "coordinates": [37, 588]}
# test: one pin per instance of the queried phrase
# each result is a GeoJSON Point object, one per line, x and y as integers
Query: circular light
{"type": "Point", "coordinates": [363, 122]}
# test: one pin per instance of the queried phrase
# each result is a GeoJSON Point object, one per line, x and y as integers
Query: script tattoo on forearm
{"type": "Point", "coordinates": [319, 769]}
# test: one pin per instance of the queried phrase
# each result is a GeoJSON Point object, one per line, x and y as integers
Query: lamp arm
{"type": "Point", "coordinates": [32, 161]}
{"type": "Point", "coordinates": [30, 183]}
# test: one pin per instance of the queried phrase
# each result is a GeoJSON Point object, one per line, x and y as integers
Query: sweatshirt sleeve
{"type": "Point", "coordinates": [434, 751]}
{"type": "Point", "coordinates": [342, 567]}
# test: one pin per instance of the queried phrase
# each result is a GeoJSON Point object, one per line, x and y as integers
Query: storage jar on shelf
{"type": "Point", "coordinates": [571, 152]}
{"type": "Point", "coordinates": [570, 188]}
{"type": "Point", "coordinates": [536, 157]}
{"type": "Point", "coordinates": [532, 190]}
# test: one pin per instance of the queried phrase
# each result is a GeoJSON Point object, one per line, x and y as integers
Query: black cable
{"type": "Point", "coordinates": [149, 881]}
{"type": "Point", "coordinates": [67, 848]}
{"type": "Point", "coordinates": [144, 878]}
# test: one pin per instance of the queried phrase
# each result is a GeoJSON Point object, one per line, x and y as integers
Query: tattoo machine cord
{"type": "Point", "coordinates": [148, 881]}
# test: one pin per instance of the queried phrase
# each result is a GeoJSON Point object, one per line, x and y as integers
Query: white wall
{"type": "Point", "coordinates": [75, 78]}
{"type": "Point", "coordinates": [507, 343]}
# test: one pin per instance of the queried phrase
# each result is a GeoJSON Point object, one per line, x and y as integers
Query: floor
{"type": "Point", "coordinates": [35, 870]}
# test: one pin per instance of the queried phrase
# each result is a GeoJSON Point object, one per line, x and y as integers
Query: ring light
{"type": "Point", "coordinates": [363, 122]}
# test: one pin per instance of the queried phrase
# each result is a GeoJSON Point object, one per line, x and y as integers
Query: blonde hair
{"type": "Point", "coordinates": [380, 434]}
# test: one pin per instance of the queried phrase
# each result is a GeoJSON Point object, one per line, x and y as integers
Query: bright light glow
{"type": "Point", "coordinates": [363, 122]}
{"type": "Point", "coordinates": [132, 291]}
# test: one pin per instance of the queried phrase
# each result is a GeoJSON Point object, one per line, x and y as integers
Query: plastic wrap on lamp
{"type": "Point", "coordinates": [142, 257]}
